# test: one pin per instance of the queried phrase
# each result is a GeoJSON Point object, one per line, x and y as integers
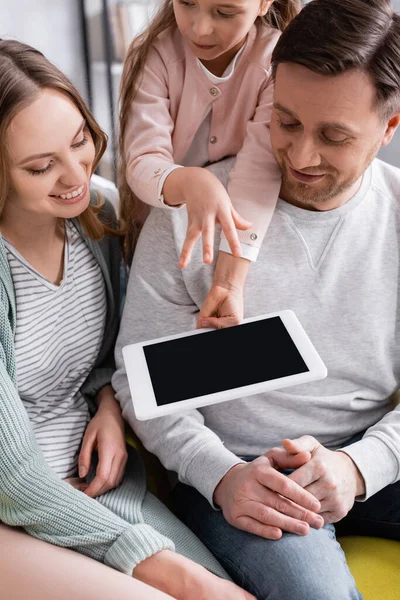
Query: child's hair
{"type": "Point", "coordinates": [133, 211]}
{"type": "Point", "coordinates": [24, 72]}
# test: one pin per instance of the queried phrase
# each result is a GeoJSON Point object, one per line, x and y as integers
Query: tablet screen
{"type": "Point", "coordinates": [198, 365]}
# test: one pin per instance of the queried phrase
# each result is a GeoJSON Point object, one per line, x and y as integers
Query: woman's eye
{"type": "Point", "coordinates": [187, 4]}
{"type": "Point", "coordinates": [41, 171]}
{"type": "Point", "coordinates": [81, 143]}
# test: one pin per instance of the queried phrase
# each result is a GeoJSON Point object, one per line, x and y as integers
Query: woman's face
{"type": "Point", "coordinates": [52, 154]}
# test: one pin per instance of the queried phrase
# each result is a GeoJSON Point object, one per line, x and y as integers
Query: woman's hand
{"type": "Point", "coordinates": [106, 434]}
{"type": "Point", "coordinates": [186, 580]}
{"type": "Point", "coordinates": [207, 203]}
{"type": "Point", "coordinates": [223, 306]}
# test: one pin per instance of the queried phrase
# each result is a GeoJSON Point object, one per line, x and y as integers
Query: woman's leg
{"type": "Point", "coordinates": [30, 568]}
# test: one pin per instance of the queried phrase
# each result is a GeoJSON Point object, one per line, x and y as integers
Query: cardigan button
{"type": "Point", "coordinates": [253, 236]}
{"type": "Point", "coordinates": [214, 91]}
{"type": "Point", "coordinates": [213, 140]}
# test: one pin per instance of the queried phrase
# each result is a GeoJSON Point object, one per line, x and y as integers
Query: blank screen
{"type": "Point", "coordinates": [198, 365]}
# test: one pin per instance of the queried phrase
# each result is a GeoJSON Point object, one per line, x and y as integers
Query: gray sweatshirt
{"type": "Point", "coordinates": [339, 272]}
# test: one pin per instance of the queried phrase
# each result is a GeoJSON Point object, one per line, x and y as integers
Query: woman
{"type": "Point", "coordinates": [59, 270]}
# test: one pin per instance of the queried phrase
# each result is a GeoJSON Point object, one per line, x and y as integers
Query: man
{"type": "Point", "coordinates": [332, 255]}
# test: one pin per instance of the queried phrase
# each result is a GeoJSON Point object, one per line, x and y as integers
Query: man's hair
{"type": "Point", "coordinates": [331, 37]}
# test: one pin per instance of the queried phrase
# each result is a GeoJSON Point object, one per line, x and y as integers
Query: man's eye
{"type": "Point", "coordinates": [338, 141]}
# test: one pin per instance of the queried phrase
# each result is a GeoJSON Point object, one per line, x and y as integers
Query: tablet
{"type": "Point", "coordinates": [208, 366]}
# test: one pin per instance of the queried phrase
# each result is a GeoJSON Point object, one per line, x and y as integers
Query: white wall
{"type": "Point", "coordinates": [53, 27]}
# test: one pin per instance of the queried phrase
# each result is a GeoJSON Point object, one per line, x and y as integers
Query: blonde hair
{"type": "Point", "coordinates": [24, 72]}
{"type": "Point", "coordinates": [133, 211]}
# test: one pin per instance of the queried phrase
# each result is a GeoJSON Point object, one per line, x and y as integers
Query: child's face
{"type": "Point", "coordinates": [52, 156]}
{"type": "Point", "coordinates": [215, 27]}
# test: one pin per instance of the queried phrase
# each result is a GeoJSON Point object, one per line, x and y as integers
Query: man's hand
{"type": "Point", "coordinates": [257, 498]}
{"type": "Point", "coordinates": [106, 434]}
{"type": "Point", "coordinates": [331, 477]}
{"type": "Point", "coordinates": [223, 306]}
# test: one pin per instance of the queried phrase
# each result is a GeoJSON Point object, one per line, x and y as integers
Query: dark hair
{"type": "Point", "coordinates": [331, 37]}
{"type": "Point", "coordinates": [24, 72]}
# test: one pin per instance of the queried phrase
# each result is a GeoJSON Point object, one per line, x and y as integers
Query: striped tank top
{"type": "Point", "coordinates": [58, 336]}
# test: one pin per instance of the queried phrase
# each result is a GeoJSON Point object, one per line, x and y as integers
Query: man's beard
{"type": "Point", "coordinates": [304, 193]}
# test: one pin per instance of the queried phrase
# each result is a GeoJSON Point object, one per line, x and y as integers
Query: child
{"type": "Point", "coordinates": [195, 90]}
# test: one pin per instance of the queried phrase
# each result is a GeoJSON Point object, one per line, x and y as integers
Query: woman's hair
{"type": "Point", "coordinates": [332, 37]}
{"type": "Point", "coordinates": [133, 211]}
{"type": "Point", "coordinates": [24, 72]}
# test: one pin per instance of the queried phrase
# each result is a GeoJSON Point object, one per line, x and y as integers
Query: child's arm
{"type": "Point", "coordinates": [255, 180]}
{"type": "Point", "coordinates": [155, 178]}
{"type": "Point", "coordinates": [253, 187]}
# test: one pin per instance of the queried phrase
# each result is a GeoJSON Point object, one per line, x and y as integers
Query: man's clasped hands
{"type": "Point", "coordinates": [260, 498]}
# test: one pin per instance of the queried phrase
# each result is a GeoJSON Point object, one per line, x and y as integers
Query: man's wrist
{"type": "Point", "coordinates": [359, 479]}
{"type": "Point", "coordinates": [230, 271]}
{"type": "Point", "coordinates": [219, 492]}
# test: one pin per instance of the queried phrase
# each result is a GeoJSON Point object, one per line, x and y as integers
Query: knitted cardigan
{"type": "Point", "coordinates": [33, 496]}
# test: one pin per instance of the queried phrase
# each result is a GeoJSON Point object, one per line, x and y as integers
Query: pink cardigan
{"type": "Point", "coordinates": [170, 106]}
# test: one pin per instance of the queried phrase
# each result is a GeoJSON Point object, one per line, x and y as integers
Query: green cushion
{"type": "Point", "coordinates": [375, 564]}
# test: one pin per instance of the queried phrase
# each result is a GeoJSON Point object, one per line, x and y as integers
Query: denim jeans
{"type": "Point", "coordinates": [312, 567]}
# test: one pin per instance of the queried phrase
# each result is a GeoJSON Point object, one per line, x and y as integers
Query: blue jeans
{"type": "Point", "coordinates": [312, 567]}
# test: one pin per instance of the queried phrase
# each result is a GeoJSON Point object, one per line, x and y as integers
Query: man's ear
{"type": "Point", "coordinates": [391, 127]}
{"type": "Point", "coordinates": [264, 8]}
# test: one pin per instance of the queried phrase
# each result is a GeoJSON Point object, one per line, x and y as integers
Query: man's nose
{"type": "Point", "coordinates": [303, 153]}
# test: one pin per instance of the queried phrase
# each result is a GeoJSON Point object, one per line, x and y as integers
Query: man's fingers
{"type": "Point", "coordinates": [283, 485]}
{"type": "Point", "coordinates": [307, 474]}
{"type": "Point", "coordinates": [281, 459]}
{"type": "Point", "coordinates": [317, 490]}
{"type": "Point", "coordinates": [220, 322]}
{"type": "Point", "coordinates": [208, 234]}
{"type": "Point", "coordinates": [305, 443]}
{"type": "Point", "coordinates": [289, 508]}
{"type": "Point", "coordinates": [254, 526]}
{"type": "Point", "coordinates": [239, 222]}
{"type": "Point", "coordinates": [267, 515]}
{"type": "Point", "coordinates": [192, 235]}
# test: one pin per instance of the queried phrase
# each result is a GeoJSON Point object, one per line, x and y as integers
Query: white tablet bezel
{"type": "Point", "coordinates": [141, 388]}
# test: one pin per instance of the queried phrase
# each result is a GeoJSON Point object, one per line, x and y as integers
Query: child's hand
{"type": "Point", "coordinates": [207, 203]}
{"type": "Point", "coordinates": [223, 306]}
{"type": "Point", "coordinates": [106, 434]}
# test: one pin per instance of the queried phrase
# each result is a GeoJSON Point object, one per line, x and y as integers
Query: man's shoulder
{"type": "Point", "coordinates": [386, 181]}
